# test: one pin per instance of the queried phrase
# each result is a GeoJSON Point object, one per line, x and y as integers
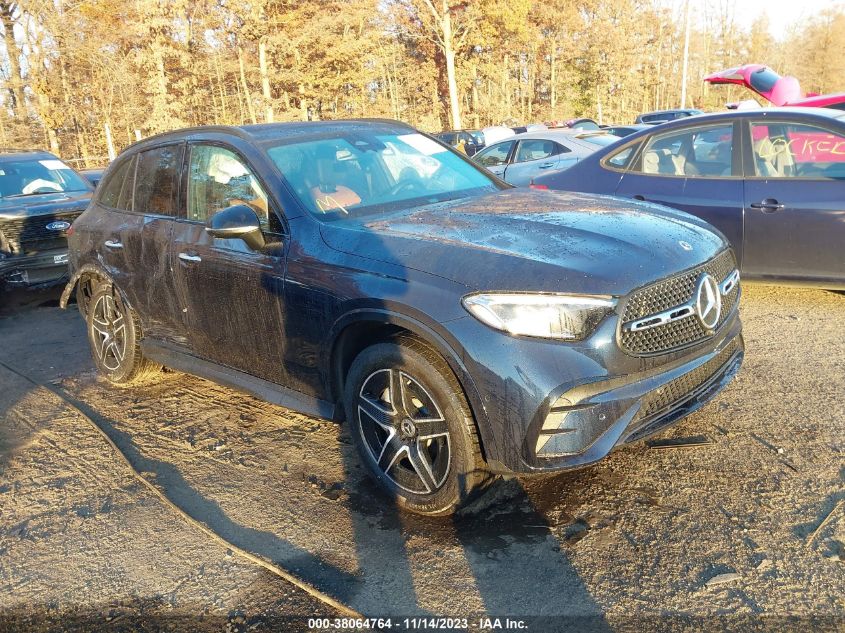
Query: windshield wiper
{"type": "Point", "coordinates": [34, 193]}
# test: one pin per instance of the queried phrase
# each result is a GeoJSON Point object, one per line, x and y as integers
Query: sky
{"type": "Point", "coordinates": [782, 13]}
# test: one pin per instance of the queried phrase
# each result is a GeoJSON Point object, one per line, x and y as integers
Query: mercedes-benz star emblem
{"type": "Point", "coordinates": [708, 301]}
{"type": "Point", "coordinates": [408, 428]}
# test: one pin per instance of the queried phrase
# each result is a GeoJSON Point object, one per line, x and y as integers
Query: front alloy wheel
{"type": "Point", "coordinates": [404, 430]}
{"type": "Point", "coordinates": [412, 425]}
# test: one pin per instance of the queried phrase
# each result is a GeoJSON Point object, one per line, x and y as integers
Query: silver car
{"type": "Point", "coordinates": [523, 157]}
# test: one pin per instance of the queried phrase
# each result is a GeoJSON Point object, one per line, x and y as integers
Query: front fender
{"type": "Point", "coordinates": [434, 335]}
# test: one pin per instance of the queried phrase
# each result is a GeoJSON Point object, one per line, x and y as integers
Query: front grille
{"type": "Point", "coordinates": [676, 391]}
{"type": "Point", "coordinates": [669, 293]}
{"type": "Point", "coordinates": [30, 234]}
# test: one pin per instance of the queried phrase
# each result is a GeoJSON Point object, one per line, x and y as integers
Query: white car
{"type": "Point", "coordinates": [521, 158]}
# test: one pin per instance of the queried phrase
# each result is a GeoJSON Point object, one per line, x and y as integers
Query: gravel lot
{"type": "Point", "coordinates": [722, 534]}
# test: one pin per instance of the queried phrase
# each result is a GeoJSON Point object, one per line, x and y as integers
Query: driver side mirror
{"type": "Point", "coordinates": [237, 222]}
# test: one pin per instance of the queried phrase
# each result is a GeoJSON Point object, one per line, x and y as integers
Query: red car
{"type": "Point", "coordinates": [780, 91]}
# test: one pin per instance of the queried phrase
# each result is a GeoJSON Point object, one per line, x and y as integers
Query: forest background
{"type": "Point", "coordinates": [85, 78]}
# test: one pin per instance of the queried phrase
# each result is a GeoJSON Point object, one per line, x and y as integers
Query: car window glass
{"type": "Point", "coordinates": [218, 178]}
{"type": "Point", "coordinates": [155, 180]}
{"type": "Point", "coordinates": [495, 155]}
{"type": "Point", "coordinates": [534, 149]}
{"type": "Point", "coordinates": [116, 192]}
{"type": "Point", "coordinates": [620, 159]}
{"type": "Point", "coordinates": [793, 150]}
{"type": "Point", "coordinates": [700, 152]}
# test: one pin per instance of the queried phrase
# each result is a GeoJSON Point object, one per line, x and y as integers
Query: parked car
{"type": "Point", "coordinates": [495, 133]}
{"type": "Point", "coordinates": [662, 116]}
{"type": "Point", "coordinates": [92, 175]}
{"type": "Point", "coordinates": [582, 123]}
{"type": "Point", "coordinates": [472, 140]}
{"type": "Point", "coordinates": [521, 158]}
{"type": "Point", "coordinates": [361, 270]}
{"type": "Point", "coordinates": [531, 127]}
{"type": "Point", "coordinates": [40, 197]}
{"type": "Point", "coordinates": [779, 91]}
{"type": "Point", "coordinates": [772, 180]}
{"type": "Point", "coordinates": [625, 130]}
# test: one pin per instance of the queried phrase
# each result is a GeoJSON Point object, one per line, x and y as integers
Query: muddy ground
{"type": "Point", "coordinates": [720, 535]}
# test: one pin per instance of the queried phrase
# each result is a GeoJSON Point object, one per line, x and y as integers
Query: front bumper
{"type": "Point", "coordinates": [42, 269]}
{"type": "Point", "coordinates": [587, 422]}
{"type": "Point", "coordinates": [545, 406]}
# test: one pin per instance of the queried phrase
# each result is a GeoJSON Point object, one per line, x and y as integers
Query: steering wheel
{"type": "Point", "coordinates": [406, 185]}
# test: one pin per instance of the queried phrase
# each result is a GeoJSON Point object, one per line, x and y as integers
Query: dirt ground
{"type": "Point", "coordinates": [727, 534]}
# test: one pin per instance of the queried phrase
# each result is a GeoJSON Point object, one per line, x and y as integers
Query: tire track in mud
{"type": "Point", "coordinates": [197, 524]}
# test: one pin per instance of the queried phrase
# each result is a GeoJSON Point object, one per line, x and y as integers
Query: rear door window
{"type": "Point", "coordinates": [116, 190]}
{"type": "Point", "coordinates": [156, 180]}
{"type": "Point", "coordinates": [699, 152]}
{"type": "Point", "coordinates": [536, 149]}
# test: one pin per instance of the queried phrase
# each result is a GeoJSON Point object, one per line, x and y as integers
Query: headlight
{"type": "Point", "coordinates": [568, 317]}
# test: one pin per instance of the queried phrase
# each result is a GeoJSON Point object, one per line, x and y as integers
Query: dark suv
{"type": "Point", "coordinates": [362, 270]}
{"type": "Point", "coordinates": [40, 197]}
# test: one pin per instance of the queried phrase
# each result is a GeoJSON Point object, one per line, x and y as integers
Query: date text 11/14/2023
{"type": "Point", "coordinates": [415, 624]}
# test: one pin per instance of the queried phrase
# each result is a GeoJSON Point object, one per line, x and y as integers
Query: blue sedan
{"type": "Point", "coordinates": [772, 180]}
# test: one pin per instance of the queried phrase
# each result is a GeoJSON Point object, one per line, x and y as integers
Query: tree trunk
{"type": "Point", "coordinates": [265, 80]}
{"type": "Point", "coordinates": [303, 102]}
{"type": "Point", "coordinates": [553, 79]}
{"type": "Point", "coordinates": [14, 55]}
{"type": "Point", "coordinates": [449, 54]}
{"type": "Point", "coordinates": [247, 96]}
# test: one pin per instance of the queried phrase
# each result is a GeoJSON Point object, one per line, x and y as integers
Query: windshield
{"type": "Point", "coordinates": [30, 177]}
{"type": "Point", "coordinates": [764, 80]}
{"type": "Point", "coordinates": [344, 175]}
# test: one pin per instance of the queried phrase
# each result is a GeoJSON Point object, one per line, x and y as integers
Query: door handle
{"type": "Point", "coordinates": [546, 165]}
{"type": "Point", "coordinates": [769, 205]}
{"type": "Point", "coordinates": [113, 244]}
{"type": "Point", "coordinates": [185, 257]}
{"type": "Point", "coordinates": [639, 197]}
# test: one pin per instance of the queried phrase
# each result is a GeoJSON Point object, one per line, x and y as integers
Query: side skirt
{"type": "Point", "coordinates": [263, 389]}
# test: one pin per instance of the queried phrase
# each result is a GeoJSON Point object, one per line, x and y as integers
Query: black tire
{"type": "Point", "coordinates": [85, 289]}
{"type": "Point", "coordinates": [408, 459]}
{"type": "Point", "coordinates": [114, 335]}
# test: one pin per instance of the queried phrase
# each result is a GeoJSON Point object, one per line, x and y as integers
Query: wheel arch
{"type": "Point", "coordinates": [85, 274]}
{"type": "Point", "coordinates": [357, 330]}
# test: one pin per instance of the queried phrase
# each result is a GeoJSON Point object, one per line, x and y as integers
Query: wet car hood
{"type": "Point", "coordinates": [45, 203]}
{"type": "Point", "coordinates": [521, 239]}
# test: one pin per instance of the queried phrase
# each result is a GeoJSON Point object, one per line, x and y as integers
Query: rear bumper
{"type": "Point", "coordinates": [43, 269]}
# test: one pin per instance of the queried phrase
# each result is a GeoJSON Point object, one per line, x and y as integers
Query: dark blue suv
{"type": "Point", "coordinates": [360, 270]}
{"type": "Point", "coordinates": [40, 197]}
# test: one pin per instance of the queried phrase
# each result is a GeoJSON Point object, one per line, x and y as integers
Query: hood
{"type": "Point", "coordinates": [521, 239]}
{"type": "Point", "coordinates": [45, 204]}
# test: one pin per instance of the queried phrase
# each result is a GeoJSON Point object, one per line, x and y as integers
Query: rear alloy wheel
{"type": "Point", "coordinates": [411, 424]}
{"type": "Point", "coordinates": [114, 335]}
